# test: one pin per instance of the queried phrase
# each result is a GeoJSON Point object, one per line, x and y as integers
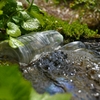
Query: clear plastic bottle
{"type": "Point", "coordinates": [73, 45]}
{"type": "Point", "coordinates": [34, 44]}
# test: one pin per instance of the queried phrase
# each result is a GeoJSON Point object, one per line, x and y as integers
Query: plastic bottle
{"type": "Point", "coordinates": [73, 45]}
{"type": "Point", "coordinates": [34, 44]}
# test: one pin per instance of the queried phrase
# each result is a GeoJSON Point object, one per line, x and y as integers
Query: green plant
{"type": "Point", "coordinates": [15, 20]}
{"type": "Point", "coordinates": [14, 87]}
{"type": "Point", "coordinates": [73, 31]}
{"type": "Point", "coordinates": [80, 4]}
{"type": "Point", "coordinates": [57, 1]}
{"type": "Point", "coordinates": [84, 3]}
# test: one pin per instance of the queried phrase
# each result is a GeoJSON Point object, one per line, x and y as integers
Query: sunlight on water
{"type": "Point", "coordinates": [73, 69]}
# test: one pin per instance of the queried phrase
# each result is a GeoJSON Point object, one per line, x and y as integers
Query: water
{"type": "Point", "coordinates": [73, 68]}
{"type": "Point", "coordinates": [34, 44]}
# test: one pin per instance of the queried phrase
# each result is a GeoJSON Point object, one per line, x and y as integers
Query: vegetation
{"type": "Point", "coordinates": [15, 20]}
{"type": "Point", "coordinates": [73, 31]}
{"type": "Point", "coordinates": [85, 4]}
{"type": "Point", "coordinates": [57, 1]}
{"type": "Point", "coordinates": [88, 4]}
{"type": "Point", "coordinates": [12, 84]}
{"type": "Point", "coordinates": [14, 87]}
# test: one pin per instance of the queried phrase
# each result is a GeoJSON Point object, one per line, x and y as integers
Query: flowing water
{"type": "Point", "coordinates": [73, 68]}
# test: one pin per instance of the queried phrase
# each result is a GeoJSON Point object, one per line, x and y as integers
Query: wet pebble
{"type": "Point", "coordinates": [76, 71]}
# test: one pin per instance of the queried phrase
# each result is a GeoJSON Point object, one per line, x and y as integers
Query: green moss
{"type": "Point", "coordinates": [88, 4]}
{"type": "Point", "coordinates": [73, 31]}
{"type": "Point", "coordinates": [18, 16]}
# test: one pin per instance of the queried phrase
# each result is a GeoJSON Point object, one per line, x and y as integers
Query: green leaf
{"type": "Point", "coordinates": [13, 30]}
{"type": "Point", "coordinates": [36, 96]}
{"type": "Point", "coordinates": [14, 43]}
{"type": "Point", "coordinates": [25, 15]}
{"type": "Point", "coordinates": [16, 19]}
{"type": "Point", "coordinates": [2, 3]}
{"type": "Point", "coordinates": [1, 12]}
{"type": "Point", "coordinates": [31, 24]}
{"type": "Point", "coordinates": [35, 12]}
{"type": "Point", "coordinates": [46, 0]}
{"type": "Point", "coordinates": [10, 7]}
{"type": "Point", "coordinates": [12, 85]}
{"type": "Point", "coordinates": [35, 8]}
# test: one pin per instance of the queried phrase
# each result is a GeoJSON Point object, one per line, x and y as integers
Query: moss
{"type": "Point", "coordinates": [73, 31]}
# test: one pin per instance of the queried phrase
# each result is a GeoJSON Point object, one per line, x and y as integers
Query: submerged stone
{"type": "Point", "coordinates": [73, 68]}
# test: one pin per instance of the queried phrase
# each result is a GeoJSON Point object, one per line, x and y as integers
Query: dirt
{"type": "Point", "coordinates": [61, 11]}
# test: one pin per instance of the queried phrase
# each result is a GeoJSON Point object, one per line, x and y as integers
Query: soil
{"type": "Point", "coordinates": [61, 11]}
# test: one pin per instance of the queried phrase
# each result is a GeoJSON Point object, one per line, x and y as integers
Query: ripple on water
{"type": "Point", "coordinates": [75, 71]}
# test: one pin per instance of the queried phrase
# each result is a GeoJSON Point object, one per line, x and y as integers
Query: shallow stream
{"type": "Point", "coordinates": [74, 68]}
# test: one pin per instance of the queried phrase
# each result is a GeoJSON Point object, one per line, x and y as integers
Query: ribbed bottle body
{"type": "Point", "coordinates": [34, 44]}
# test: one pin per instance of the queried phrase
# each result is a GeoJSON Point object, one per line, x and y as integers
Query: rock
{"type": "Point", "coordinates": [73, 68]}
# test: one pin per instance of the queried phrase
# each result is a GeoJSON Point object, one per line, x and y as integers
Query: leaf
{"type": "Point", "coordinates": [1, 12]}
{"type": "Point", "coordinates": [12, 85]}
{"type": "Point", "coordinates": [2, 3]}
{"type": "Point", "coordinates": [36, 96]}
{"type": "Point", "coordinates": [25, 15]}
{"type": "Point", "coordinates": [35, 8]}
{"type": "Point", "coordinates": [35, 12]}
{"type": "Point", "coordinates": [13, 30]}
{"type": "Point", "coordinates": [16, 19]}
{"type": "Point", "coordinates": [31, 24]}
{"type": "Point", "coordinates": [14, 43]}
{"type": "Point", "coordinates": [10, 7]}
{"type": "Point", "coordinates": [46, 0]}
{"type": "Point", "coordinates": [37, 15]}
